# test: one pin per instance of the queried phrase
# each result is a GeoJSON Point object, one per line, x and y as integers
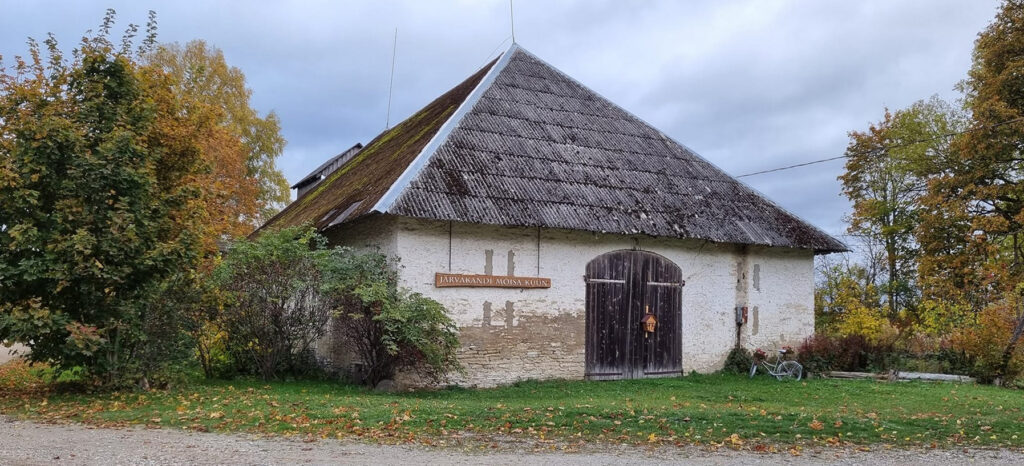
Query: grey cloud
{"type": "Point", "coordinates": [747, 84]}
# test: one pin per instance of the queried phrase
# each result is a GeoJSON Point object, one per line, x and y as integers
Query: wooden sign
{"type": "Point", "coordinates": [448, 280]}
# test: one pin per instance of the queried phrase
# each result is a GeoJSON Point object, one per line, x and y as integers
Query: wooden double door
{"type": "Point", "coordinates": [623, 287]}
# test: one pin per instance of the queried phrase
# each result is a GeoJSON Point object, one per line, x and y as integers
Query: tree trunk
{"type": "Point", "coordinates": [1004, 365]}
{"type": "Point", "coordinates": [891, 263]}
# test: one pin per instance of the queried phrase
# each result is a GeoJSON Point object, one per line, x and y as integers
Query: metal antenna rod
{"type": "Point", "coordinates": [512, 20]}
{"type": "Point", "coordinates": [391, 84]}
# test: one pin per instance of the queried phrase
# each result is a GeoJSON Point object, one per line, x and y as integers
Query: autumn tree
{"type": "Point", "coordinates": [847, 298]}
{"type": "Point", "coordinates": [101, 204]}
{"type": "Point", "coordinates": [245, 187]}
{"type": "Point", "coordinates": [843, 287]}
{"type": "Point", "coordinates": [887, 170]}
{"type": "Point", "coordinates": [974, 209]}
{"type": "Point", "coordinates": [983, 194]}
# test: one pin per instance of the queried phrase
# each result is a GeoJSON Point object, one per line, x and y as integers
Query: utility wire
{"type": "Point", "coordinates": [885, 148]}
{"type": "Point", "coordinates": [489, 55]}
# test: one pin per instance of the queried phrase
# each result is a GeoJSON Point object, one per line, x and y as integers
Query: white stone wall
{"type": "Point", "coordinates": [514, 334]}
{"type": "Point", "coordinates": [781, 308]}
{"type": "Point", "coordinates": [375, 232]}
{"type": "Point", "coordinates": [8, 353]}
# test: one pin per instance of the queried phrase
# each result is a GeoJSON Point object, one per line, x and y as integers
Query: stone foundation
{"type": "Point", "coordinates": [538, 347]}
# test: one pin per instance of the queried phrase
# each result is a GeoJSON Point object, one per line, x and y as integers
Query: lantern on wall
{"type": "Point", "coordinates": [648, 322]}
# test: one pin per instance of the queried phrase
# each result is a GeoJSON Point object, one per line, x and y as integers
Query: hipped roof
{"type": "Point", "coordinates": [519, 143]}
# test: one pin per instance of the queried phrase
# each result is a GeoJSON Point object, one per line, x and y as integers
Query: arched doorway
{"type": "Point", "coordinates": [622, 287]}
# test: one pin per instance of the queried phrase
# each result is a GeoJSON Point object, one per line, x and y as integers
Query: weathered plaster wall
{"type": "Point", "coordinates": [373, 232]}
{"type": "Point", "coordinates": [780, 298]}
{"type": "Point", "coordinates": [513, 334]}
{"type": "Point", "coordinates": [7, 353]}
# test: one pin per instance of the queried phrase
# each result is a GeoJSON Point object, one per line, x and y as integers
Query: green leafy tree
{"type": "Point", "coordinates": [887, 171]}
{"type": "Point", "coordinates": [391, 329]}
{"type": "Point", "coordinates": [278, 297]}
{"type": "Point", "coordinates": [97, 207]}
{"type": "Point", "coordinates": [283, 287]}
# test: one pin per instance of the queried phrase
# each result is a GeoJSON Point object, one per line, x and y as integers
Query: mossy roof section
{"type": "Point", "coordinates": [367, 177]}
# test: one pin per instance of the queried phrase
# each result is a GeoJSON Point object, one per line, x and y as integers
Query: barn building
{"type": "Point", "coordinates": [566, 237]}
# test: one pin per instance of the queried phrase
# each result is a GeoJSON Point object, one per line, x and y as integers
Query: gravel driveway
{"type": "Point", "coordinates": [29, 443]}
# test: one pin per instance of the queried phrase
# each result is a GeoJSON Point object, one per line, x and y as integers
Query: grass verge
{"type": "Point", "coordinates": [717, 410]}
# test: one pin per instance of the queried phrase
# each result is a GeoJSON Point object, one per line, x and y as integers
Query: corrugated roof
{"type": "Point", "coordinates": [530, 146]}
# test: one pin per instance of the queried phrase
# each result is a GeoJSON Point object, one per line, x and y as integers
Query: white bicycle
{"type": "Point", "coordinates": [780, 368]}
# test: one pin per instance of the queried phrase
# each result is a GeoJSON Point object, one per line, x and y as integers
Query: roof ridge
{"type": "Point", "coordinates": [413, 169]}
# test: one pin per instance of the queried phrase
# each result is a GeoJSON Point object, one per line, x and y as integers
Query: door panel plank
{"type": "Point", "coordinates": [620, 287]}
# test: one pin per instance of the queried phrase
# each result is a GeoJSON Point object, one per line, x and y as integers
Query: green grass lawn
{"type": "Point", "coordinates": [761, 414]}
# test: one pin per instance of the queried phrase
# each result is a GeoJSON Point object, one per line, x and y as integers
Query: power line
{"type": "Point", "coordinates": [793, 166]}
{"type": "Point", "coordinates": [886, 148]}
{"type": "Point", "coordinates": [489, 55]}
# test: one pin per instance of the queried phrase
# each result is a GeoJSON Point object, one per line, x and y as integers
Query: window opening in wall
{"type": "Point", "coordinates": [538, 251]}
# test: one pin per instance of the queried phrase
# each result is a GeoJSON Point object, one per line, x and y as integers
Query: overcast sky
{"type": "Point", "coordinates": [750, 85]}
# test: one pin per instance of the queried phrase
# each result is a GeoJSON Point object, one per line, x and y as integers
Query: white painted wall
{"type": "Point", "coordinates": [7, 353]}
{"type": "Point", "coordinates": [781, 312]}
{"type": "Point", "coordinates": [375, 232]}
{"type": "Point", "coordinates": [784, 297]}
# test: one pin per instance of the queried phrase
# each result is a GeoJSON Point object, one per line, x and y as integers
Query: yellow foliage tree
{"type": "Point", "coordinates": [849, 303]}
{"type": "Point", "coordinates": [245, 186]}
{"type": "Point", "coordinates": [871, 323]}
{"type": "Point", "coordinates": [986, 342]}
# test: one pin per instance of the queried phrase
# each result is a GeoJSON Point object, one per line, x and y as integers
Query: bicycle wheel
{"type": "Point", "coordinates": [753, 370]}
{"type": "Point", "coordinates": [789, 370]}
